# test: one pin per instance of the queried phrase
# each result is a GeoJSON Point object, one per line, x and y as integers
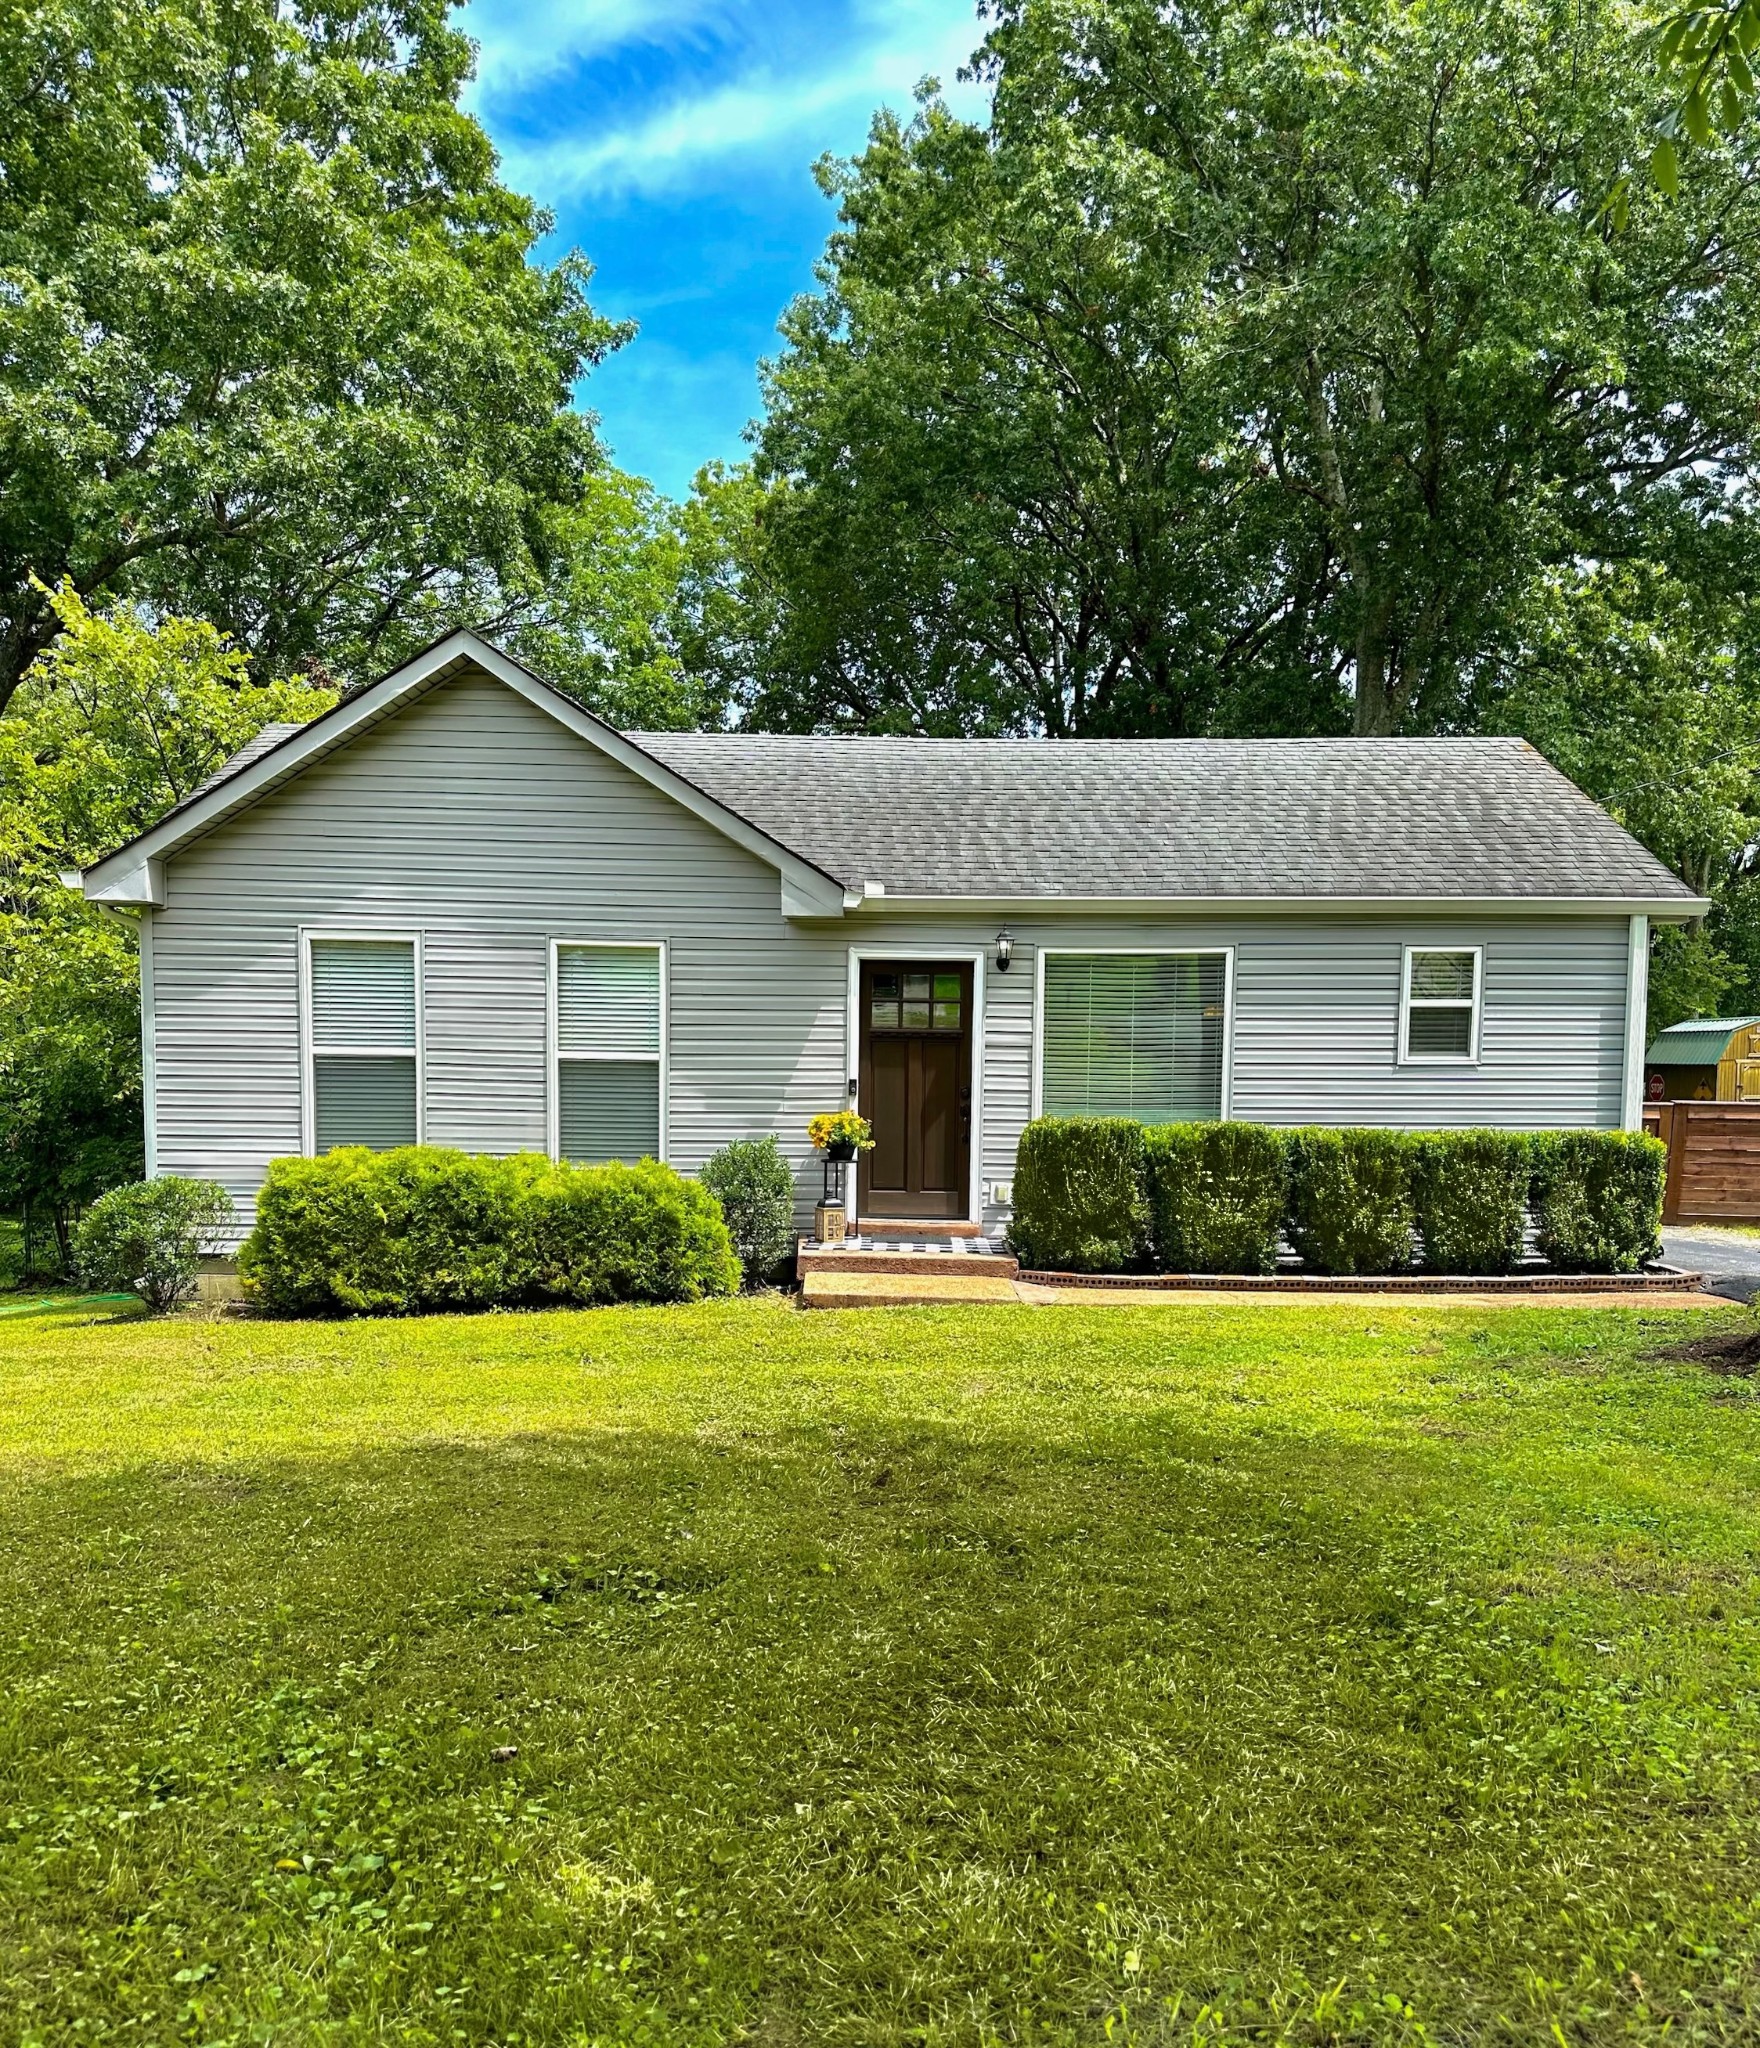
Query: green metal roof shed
{"type": "Point", "coordinates": [1699, 1042]}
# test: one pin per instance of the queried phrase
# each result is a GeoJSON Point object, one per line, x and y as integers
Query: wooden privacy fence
{"type": "Point", "coordinates": [1713, 1160]}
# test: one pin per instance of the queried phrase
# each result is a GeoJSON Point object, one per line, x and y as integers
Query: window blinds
{"type": "Point", "coordinates": [1137, 1035]}
{"type": "Point", "coordinates": [363, 998]}
{"type": "Point", "coordinates": [608, 1053]}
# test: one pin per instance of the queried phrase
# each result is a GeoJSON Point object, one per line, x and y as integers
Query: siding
{"type": "Point", "coordinates": [474, 818]}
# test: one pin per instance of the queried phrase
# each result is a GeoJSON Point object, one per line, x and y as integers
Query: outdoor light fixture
{"type": "Point", "coordinates": [1004, 950]}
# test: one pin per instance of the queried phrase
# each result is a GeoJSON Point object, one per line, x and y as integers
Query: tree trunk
{"type": "Point", "coordinates": [1376, 711]}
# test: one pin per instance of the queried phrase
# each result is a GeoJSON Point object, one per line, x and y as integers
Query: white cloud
{"type": "Point", "coordinates": [520, 42]}
{"type": "Point", "coordinates": [759, 111]}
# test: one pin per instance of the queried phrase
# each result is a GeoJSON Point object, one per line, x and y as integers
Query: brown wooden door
{"type": "Point", "coordinates": [916, 1083]}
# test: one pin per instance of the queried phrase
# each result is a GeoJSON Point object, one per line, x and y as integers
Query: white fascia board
{"type": "Point", "coordinates": [142, 882]}
{"type": "Point", "coordinates": [817, 893]}
{"type": "Point", "coordinates": [1661, 909]}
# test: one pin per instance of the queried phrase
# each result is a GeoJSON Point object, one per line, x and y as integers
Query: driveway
{"type": "Point", "coordinates": [1729, 1260]}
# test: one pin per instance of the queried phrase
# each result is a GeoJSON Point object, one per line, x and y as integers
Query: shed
{"type": "Point", "coordinates": [1705, 1059]}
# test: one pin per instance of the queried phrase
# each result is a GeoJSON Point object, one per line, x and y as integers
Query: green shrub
{"type": "Point", "coordinates": [1216, 1196]}
{"type": "Point", "coordinates": [1081, 1201]}
{"type": "Point", "coordinates": [1350, 1200]}
{"type": "Point", "coordinates": [388, 1233]}
{"type": "Point", "coordinates": [751, 1180]}
{"type": "Point", "coordinates": [149, 1237]}
{"type": "Point", "coordinates": [1470, 1192]}
{"type": "Point", "coordinates": [626, 1233]}
{"type": "Point", "coordinates": [1598, 1199]}
{"type": "Point", "coordinates": [421, 1228]}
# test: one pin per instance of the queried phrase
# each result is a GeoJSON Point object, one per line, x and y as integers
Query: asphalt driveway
{"type": "Point", "coordinates": [1729, 1260]}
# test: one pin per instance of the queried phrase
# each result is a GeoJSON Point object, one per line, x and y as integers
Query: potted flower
{"type": "Point", "coordinates": [841, 1133]}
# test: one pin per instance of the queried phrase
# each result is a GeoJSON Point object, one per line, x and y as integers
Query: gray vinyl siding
{"type": "Point", "coordinates": [473, 818]}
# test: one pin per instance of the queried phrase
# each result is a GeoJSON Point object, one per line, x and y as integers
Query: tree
{"type": "Point", "coordinates": [1244, 371]}
{"type": "Point", "coordinates": [273, 348]}
{"type": "Point", "coordinates": [1705, 53]}
{"type": "Point", "coordinates": [644, 618]}
{"type": "Point", "coordinates": [116, 722]}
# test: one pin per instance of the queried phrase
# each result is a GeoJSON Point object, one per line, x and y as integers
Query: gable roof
{"type": "Point", "coordinates": [1699, 1042]}
{"type": "Point", "coordinates": [1236, 820]}
{"type": "Point", "coordinates": [135, 874]}
{"type": "Point", "coordinates": [1362, 824]}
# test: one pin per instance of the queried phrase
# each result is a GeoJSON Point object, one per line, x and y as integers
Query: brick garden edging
{"type": "Point", "coordinates": [1669, 1280]}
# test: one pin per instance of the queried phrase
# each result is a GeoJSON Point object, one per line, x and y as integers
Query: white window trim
{"type": "Point", "coordinates": [308, 1087]}
{"type": "Point", "coordinates": [973, 956]}
{"type": "Point", "coordinates": [1407, 1001]}
{"type": "Point", "coordinates": [1225, 953]}
{"type": "Point", "coordinates": [554, 1055]}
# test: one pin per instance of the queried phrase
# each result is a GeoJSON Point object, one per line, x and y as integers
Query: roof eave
{"type": "Point", "coordinates": [1659, 909]}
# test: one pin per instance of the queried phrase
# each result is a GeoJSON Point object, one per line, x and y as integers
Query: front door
{"type": "Point", "coordinates": [916, 1083]}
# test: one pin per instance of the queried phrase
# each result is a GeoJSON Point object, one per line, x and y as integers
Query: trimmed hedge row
{"type": "Point", "coordinates": [1102, 1194]}
{"type": "Point", "coordinates": [423, 1228]}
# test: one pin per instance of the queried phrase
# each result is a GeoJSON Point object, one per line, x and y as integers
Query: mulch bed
{"type": "Point", "coordinates": [1736, 1358]}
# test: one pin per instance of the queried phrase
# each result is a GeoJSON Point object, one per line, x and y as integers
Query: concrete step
{"type": "Point", "coordinates": [837, 1258]}
{"type": "Point", "coordinates": [893, 1289]}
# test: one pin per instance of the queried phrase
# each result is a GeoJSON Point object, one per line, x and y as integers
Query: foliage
{"type": "Point", "coordinates": [1081, 1197]}
{"type": "Point", "coordinates": [841, 1127]}
{"type": "Point", "coordinates": [118, 721]}
{"type": "Point", "coordinates": [626, 1233]}
{"type": "Point", "coordinates": [1350, 1200]}
{"type": "Point", "coordinates": [1707, 50]}
{"type": "Point", "coordinates": [274, 350]}
{"type": "Point", "coordinates": [1598, 1199]}
{"type": "Point", "coordinates": [400, 1232]}
{"type": "Point", "coordinates": [644, 616]}
{"type": "Point", "coordinates": [423, 1228]}
{"type": "Point", "coordinates": [1470, 1197]}
{"type": "Point", "coordinates": [149, 1238]}
{"type": "Point", "coordinates": [1217, 1193]}
{"type": "Point", "coordinates": [751, 1180]}
{"type": "Point", "coordinates": [1642, 683]}
{"type": "Point", "coordinates": [1242, 372]}
{"type": "Point", "coordinates": [748, 1592]}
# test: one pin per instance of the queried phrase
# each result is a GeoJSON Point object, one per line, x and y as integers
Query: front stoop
{"type": "Point", "coordinates": [855, 1276]}
{"type": "Point", "coordinates": [896, 1290]}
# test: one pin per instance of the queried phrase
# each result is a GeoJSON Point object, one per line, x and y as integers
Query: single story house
{"type": "Point", "coordinates": [1706, 1059]}
{"type": "Point", "coordinates": [459, 908]}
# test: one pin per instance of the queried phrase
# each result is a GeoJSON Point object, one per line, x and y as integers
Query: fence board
{"type": "Point", "coordinates": [1713, 1160]}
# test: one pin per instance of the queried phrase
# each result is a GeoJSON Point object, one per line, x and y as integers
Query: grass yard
{"type": "Point", "coordinates": [1379, 1673]}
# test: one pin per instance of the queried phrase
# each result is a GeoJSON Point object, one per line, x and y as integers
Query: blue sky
{"type": "Point", "coordinates": [674, 142]}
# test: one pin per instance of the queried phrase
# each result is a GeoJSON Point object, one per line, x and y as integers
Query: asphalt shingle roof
{"type": "Point", "coordinates": [1473, 818]}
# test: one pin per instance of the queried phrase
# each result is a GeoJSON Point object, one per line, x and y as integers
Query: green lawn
{"type": "Point", "coordinates": [1174, 1675]}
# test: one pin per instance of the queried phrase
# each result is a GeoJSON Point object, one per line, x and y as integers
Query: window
{"type": "Point", "coordinates": [1439, 1018]}
{"type": "Point", "coordinates": [907, 1001]}
{"type": "Point", "coordinates": [365, 1073]}
{"type": "Point", "coordinates": [1134, 1034]}
{"type": "Point", "coordinates": [609, 1061]}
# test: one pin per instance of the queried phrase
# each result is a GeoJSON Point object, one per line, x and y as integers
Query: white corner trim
{"type": "Point", "coordinates": [1036, 1094]}
{"type": "Point", "coordinates": [816, 893]}
{"type": "Point", "coordinates": [972, 956]}
{"type": "Point", "coordinates": [308, 1122]}
{"type": "Point", "coordinates": [1637, 1021]}
{"type": "Point", "coordinates": [554, 1055]}
{"type": "Point", "coordinates": [1470, 1058]}
{"type": "Point", "coordinates": [149, 1052]}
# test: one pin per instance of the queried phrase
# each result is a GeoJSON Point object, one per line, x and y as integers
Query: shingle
{"type": "Point", "coordinates": [252, 750]}
{"type": "Point", "coordinates": [1470, 818]}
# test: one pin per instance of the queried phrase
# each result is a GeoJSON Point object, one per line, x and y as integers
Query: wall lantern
{"type": "Point", "coordinates": [1004, 950]}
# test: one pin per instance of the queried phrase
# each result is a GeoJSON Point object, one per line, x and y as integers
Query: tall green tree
{"type": "Point", "coordinates": [274, 349]}
{"type": "Point", "coordinates": [1244, 370]}
{"type": "Point", "coordinates": [120, 719]}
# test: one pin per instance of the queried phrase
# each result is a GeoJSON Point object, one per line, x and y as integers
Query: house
{"type": "Point", "coordinates": [459, 908]}
{"type": "Point", "coordinates": [1707, 1059]}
